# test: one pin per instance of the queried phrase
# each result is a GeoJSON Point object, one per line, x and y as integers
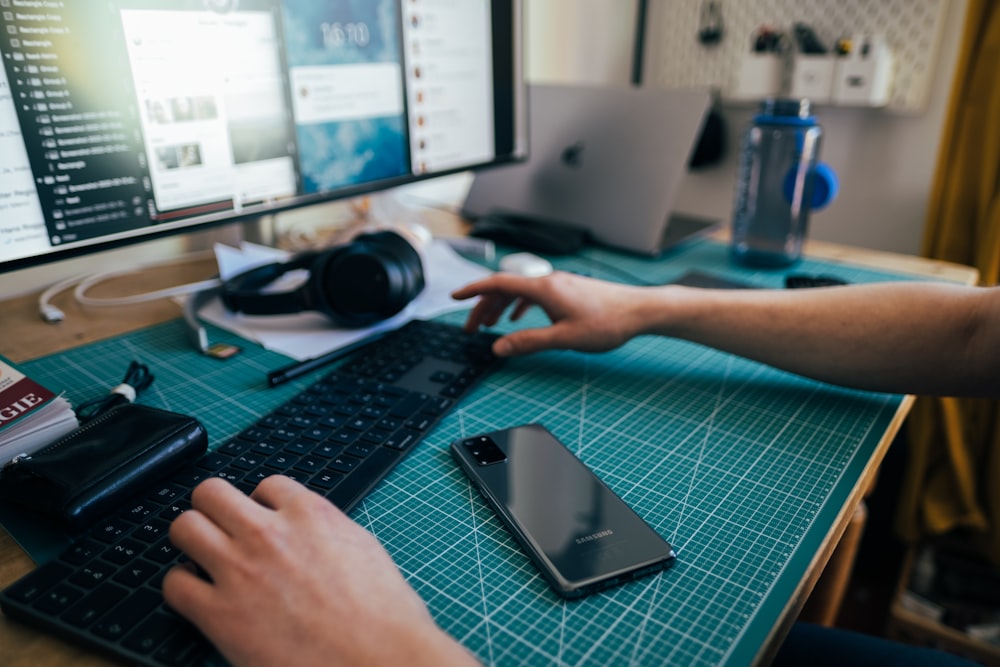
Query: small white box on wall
{"type": "Point", "coordinates": [812, 77]}
{"type": "Point", "coordinates": [760, 75]}
{"type": "Point", "coordinates": [863, 77]}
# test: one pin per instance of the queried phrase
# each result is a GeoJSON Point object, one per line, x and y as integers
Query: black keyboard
{"type": "Point", "coordinates": [339, 437]}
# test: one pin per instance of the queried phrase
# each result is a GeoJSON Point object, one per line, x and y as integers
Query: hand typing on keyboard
{"type": "Point", "coordinates": [294, 581]}
{"type": "Point", "coordinates": [278, 568]}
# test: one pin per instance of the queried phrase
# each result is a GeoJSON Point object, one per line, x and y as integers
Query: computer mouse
{"type": "Point", "coordinates": [525, 264]}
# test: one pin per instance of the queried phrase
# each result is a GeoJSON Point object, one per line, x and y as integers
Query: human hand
{"type": "Point", "coordinates": [293, 581]}
{"type": "Point", "coordinates": [586, 314]}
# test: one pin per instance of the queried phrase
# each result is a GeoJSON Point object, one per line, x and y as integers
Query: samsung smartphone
{"type": "Point", "coordinates": [581, 535]}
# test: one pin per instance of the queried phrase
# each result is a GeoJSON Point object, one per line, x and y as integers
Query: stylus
{"type": "Point", "coordinates": [299, 368]}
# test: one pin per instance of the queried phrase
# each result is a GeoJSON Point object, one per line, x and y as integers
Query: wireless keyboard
{"type": "Point", "coordinates": [339, 437]}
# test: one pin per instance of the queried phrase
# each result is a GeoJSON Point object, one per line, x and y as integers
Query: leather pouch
{"type": "Point", "coordinates": [93, 469]}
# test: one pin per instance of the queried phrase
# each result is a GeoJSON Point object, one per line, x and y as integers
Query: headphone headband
{"type": "Point", "coordinates": [368, 280]}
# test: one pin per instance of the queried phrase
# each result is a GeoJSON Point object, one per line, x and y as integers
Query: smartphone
{"type": "Point", "coordinates": [580, 534]}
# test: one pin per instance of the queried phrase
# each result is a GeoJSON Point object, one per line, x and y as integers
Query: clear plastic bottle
{"type": "Point", "coordinates": [780, 180]}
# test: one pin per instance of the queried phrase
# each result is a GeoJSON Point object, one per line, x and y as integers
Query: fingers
{"type": "Point", "coordinates": [558, 336]}
{"type": "Point", "coordinates": [523, 305]}
{"type": "Point", "coordinates": [506, 284]}
{"type": "Point", "coordinates": [276, 491]}
{"type": "Point", "coordinates": [219, 514]}
{"type": "Point", "coordinates": [198, 536]}
{"type": "Point", "coordinates": [497, 293]}
{"type": "Point", "coordinates": [487, 312]}
{"type": "Point", "coordinates": [187, 593]}
{"type": "Point", "coordinates": [523, 342]}
{"type": "Point", "coordinates": [284, 494]}
{"type": "Point", "coordinates": [223, 503]}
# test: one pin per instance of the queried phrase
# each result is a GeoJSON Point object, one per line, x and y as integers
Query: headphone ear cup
{"type": "Point", "coordinates": [369, 280]}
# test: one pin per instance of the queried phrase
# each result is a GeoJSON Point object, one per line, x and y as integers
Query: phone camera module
{"type": "Point", "coordinates": [484, 450]}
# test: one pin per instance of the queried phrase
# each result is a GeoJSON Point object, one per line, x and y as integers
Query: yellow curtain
{"type": "Point", "coordinates": [952, 481]}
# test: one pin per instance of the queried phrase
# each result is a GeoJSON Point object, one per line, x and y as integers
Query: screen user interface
{"type": "Point", "coordinates": [123, 118]}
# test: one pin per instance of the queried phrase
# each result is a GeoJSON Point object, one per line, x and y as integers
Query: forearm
{"type": "Point", "coordinates": [899, 337]}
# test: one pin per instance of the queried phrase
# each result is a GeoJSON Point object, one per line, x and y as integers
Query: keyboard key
{"type": "Point", "coordinates": [136, 573]}
{"type": "Point", "coordinates": [165, 493]}
{"type": "Point", "coordinates": [266, 448]}
{"type": "Point", "coordinates": [300, 446]}
{"type": "Point", "coordinates": [360, 450]}
{"type": "Point", "coordinates": [375, 436]}
{"type": "Point", "coordinates": [248, 461]}
{"type": "Point", "coordinates": [309, 464]}
{"type": "Point", "coordinates": [402, 439]}
{"type": "Point", "coordinates": [82, 551]}
{"type": "Point", "coordinates": [128, 614]}
{"type": "Point", "coordinates": [327, 450]}
{"type": "Point", "coordinates": [234, 447]}
{"type": "Point", "coordinates": [58, 599]}
{"type": "Point", "coordinates": [437, 406]}
{"type": "Point", "coordinates": [110, 531]}
{"type": "Point", "coordinates": [94, 605]}
{"type": "Point", "coordinates": [174, 510]}
{"type": "Point", "coordinates": [281, 461]}
{"type": "Point", "coordinates": [408, 406]}
{"type": "Point", "coordinates": [344, 436]}
{"type": "Point", "coordinates": [186, 647]}
{"type": "Point", "coordinates": [353, 487]}
{"type": "Point", "coordinates": [124, 552]}
{"type": "Point", "coordinates": [343, 464]}
{"type": "Point", "coordinates": [163, 552]}
{"type": "Point", "coordinates": [419, 423]}
{"type": "Point", "coordinates": [92, 574]}
{"type": "Point", "coordinates": [39, 580]}
{"type": "Point", "coordinates": [139, 512]}
{"type": "Point", "coordinates": [326, 480]}
{"type": "Point", "coordinates": [152, 632]}
{"type": "Point", "coordinates": [213, 462]}
{"type": "Point", "coordinates": [190, 477]}
{"type": "Point", "coordinates": [151, 531]}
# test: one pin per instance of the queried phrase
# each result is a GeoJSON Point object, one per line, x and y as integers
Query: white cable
{"type": "Point", "coordinates": [178, 290]}
{"type": "Point", "coordinates": [49, 312]}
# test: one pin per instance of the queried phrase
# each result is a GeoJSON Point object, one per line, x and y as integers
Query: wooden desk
{"type": "Point", "coordinates": [27, 337]}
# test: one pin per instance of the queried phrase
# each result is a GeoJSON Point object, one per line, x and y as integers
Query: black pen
{"type": "Point", "coordinates": [292, 371]}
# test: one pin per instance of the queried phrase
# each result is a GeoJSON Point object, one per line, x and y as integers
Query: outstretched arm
{"type": "Point", "coordinates": [922, 338]}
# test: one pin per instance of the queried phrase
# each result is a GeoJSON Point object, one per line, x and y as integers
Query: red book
{"type": "Point", "coordinates": [31, 416]}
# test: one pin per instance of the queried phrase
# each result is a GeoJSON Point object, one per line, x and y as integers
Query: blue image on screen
{"type": "Point", "coordinates": [346, 32]}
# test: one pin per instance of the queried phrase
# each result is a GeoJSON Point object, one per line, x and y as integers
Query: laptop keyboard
{"type": "Point", "coordinates": [339, 437]}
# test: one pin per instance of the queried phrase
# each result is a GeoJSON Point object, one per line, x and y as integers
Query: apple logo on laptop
{"type": "Point", "coordinates": [572, 155]}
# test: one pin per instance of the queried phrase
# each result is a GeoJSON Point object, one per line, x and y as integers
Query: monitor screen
{"type": "Point", "coordinates": [121, 120]}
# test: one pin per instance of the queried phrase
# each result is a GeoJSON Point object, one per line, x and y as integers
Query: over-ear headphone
{"type": "Point", "coordinates": [358, 284]}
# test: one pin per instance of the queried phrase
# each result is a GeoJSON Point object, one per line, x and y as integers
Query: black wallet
{"type": "Point", "coordinates": [91, 470]}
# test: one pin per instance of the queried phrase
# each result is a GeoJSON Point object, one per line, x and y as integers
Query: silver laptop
{"type": "Point", "coordinates": [606, 160]}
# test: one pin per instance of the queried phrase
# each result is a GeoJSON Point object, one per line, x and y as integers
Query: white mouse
{"type": "Point", "coordinates": [525, 264]}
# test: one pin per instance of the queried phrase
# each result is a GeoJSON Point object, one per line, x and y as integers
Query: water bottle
{"type": "Point", "coordinates": [780, 181]}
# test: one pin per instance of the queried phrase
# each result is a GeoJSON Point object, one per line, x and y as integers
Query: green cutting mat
{"type": "Point", "coordinates": [743, 468]}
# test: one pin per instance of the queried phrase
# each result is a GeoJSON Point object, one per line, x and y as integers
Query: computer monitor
{"type": "Point", "coordinates": [123, 120]}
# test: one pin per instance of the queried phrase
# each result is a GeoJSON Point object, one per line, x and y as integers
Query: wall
{"type": "Point", "coordinates": [886, 161]}
{"type": "Point", "coordinates": [586, 41]}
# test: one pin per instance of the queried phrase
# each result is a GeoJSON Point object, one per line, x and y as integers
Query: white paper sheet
{"type": "Point", "coordinates": [310, 334]}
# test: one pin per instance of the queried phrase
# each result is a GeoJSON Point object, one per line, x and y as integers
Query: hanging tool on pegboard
{"type": "Point", "coordinates": [710, 25]}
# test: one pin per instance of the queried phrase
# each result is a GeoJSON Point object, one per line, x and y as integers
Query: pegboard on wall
{"type": "Point", "coordinates": [675, 57]}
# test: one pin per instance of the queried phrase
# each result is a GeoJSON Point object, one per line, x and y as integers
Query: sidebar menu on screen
{"type": "Point", "coordinates": [69, 80]}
